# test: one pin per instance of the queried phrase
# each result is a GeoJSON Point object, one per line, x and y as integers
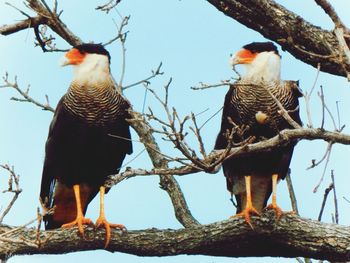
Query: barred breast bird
{"type": "Point", "coordinates": [251, 112]}
{"type": "Point", "coordinates": [81, 151]}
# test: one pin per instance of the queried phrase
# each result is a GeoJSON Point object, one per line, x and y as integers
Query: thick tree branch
{"type": "Point", "coordinates": [167, 182]}
{"type": "Point", "coordinates": [54, 22]}
{"type": "Point", "coordinates": [25, 24]}
{"type": "Point", "coordinates": [44, 16]}
{"type": "Point", "coordinates": [209, 163]}
{"type": "Point", "coordinates": [290, 236]}
{"type": "Point", "coordinates": [303, 40]}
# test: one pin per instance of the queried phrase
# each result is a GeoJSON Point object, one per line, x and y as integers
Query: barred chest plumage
{"type": "Point", "coordinates": [249, 99]}
{"type": "Point", "coordinates": [98, 105]}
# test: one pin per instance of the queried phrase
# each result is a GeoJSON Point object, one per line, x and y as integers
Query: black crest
{"type": "Point", "coordinates": [93, 49]}
{"type": "Point", "coordinates": [258, 47]}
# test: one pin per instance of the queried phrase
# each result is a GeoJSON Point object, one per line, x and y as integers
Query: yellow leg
{"type": "Point", "coordinates": [102, 218]}
{"type": "Point", "coordinates": [80, 220]}
{"type": "Point", "coordinates": [249, 208]}
{"type": "Point", "coordinates": [274, 205]}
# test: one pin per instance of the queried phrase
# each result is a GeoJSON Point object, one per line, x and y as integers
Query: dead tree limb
{"type": "Point", "coordinates": [290, 236]}
{"type": "Point", "coordinates": [305, 41]}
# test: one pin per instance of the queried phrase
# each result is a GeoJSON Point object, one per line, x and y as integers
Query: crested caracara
{"type": "Point", "coordinates": [80, 152]}
{"type": "Point", "coordinates": [250, 112]}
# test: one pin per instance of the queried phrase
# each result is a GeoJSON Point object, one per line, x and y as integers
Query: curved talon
{"type": "Point", "coordinates": [79, 221]}
{"type": "Point", "coordinates": [278, 210]}
{"type": "Point", "coordinates": [249, 208]}
{"type": "Point", "coordinates": [101, 221]}
{"type": "Point", "coordinates": [246, 214]}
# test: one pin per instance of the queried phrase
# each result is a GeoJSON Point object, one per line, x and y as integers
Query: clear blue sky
{"type": "Point", "coordinates": [194, 41]}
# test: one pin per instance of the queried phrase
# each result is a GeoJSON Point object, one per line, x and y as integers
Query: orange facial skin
{"type": "Point", "coordinates": [245, 56]}
{"type": "Point", "coordinates": [74, 56]}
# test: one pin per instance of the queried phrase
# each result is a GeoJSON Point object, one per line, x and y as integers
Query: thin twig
{"type": "Point", "coordinates": [314, 163]}
{"type": "Point", "coordinates": [146, 80]}
{"type": "Point", "coordinates": [292, 196]}
{"type": "Point", "coordinates": [24, 94]}
{"type": "Point", "coordinates": [19, 10]}
{"type": "Point", "coordinates": [203, 86]}
{"type": "Point", "coordinates": [347, 200]}
{"type": "Point", "coordinates": [307, 97]}
{"type": "Point", "coordinates": [338, 114]}
{"type": "Point", "coordinates": [332, 118]}
{"type": "Point", "coordinates": [122, 36]}
{"type": "Point", "coordinates": [211, 117]}
{"type": "Point", "coordinates": [328, 154]}
{"type": "Point", "coordinates": [196, 131]}
{"type": "Point", "coordinates": [108, 6]}
{"type": "Point", "coordinates": [13, 187]}
{"type": "Point", "coordinates": [282, 110]}
{"type": "Point", "coordinates": [326, 192]}
{"type": "Point", "coordinates": [335, 199]}
{"type": "Point", "coordinates": [321, 95]}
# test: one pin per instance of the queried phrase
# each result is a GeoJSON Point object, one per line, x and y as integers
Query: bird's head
{"type": "Point", "coordinates": [89, 61]}
{"type": "Point", "coordinates": [261, 60]}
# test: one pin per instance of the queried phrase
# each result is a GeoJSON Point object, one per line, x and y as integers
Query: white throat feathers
{"type": "Point", "coordinates": [93, 70]}
{"type": "Point", "coordinates": [265, 67]}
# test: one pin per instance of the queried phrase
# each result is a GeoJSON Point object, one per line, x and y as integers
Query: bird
{"type": "Point", "coordinates": [251, 114]}
{"type": "Point", "coordinates": [88, 139]}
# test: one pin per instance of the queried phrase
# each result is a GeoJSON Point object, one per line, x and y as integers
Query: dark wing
{"type": "Point", "coordinates": [79, 153]}
{"type": "Point", "coordinates": [58, 149]}
{"type": "Point", "coordinates": [241, 104]}
{"type": "Point", "coordinates": [229, 112]}
{"type": "Point", "coordinates": [48, 180]}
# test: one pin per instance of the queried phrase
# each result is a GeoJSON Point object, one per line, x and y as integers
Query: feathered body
{"type": "Point", "coordinates": [251, 112]}
{"type": "Point", "coordinates": [88, 140]}
{"type": "Point", "coordinates": [242, 102]}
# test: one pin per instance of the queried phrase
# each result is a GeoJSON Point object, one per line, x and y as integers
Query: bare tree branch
{"type": "Point", "coordinates": [292, 196]}
{"type": "Point", "coordinates": [44, 16]}
{"type": "Point", "coordinates": [209, 164]}
{"type": "Point", "coordinates": [25, 94]}
{"type": "Point", "coordinates": [291, 31]}
{"type": "Point", "coordinates": [13, 187]}
{"type": "Point", "coordinates": [325, 196]}
{"type": "Point", "coordinates": [336, 210]}
{"type": "Point", "coordinates": [146, 80]}
{"type": "Point", "coordinates": [167, 182]}
{"type": "Point", "coordinates": [329, 10]}
{"type": "Point", "coordinates": [290, 236]}
{"type": "Point", "coordinates": [307, 97]}
{"type": "Point", "coordinates": [108, 6]}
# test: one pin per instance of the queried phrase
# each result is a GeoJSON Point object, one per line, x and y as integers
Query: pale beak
{"type": "Point", "coordinates": [64, 61]}
{"type": "Point", "coordinates": [234, 60]}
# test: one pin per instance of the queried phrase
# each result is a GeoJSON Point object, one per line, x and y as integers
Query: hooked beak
{"type": "Point", "coordinates": [243, 56]}
{"type": "Point", "coordinates": [72, 57]}
{"type": "Point", "coordinates": [64, 61]}
{"type": "Point", "coordinates": [234, 60]}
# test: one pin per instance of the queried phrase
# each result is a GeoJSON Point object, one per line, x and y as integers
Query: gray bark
{"type": "Point", "coordinates": [290, 236]}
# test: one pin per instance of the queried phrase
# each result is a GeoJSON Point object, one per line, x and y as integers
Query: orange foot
{"type": "Point", "coordinates": [279, 212]}
{"type": "Point", "coordinates": [249, 210]}
{"type": "Point", "coordinates": [101, 221]}
{"type": "Point", "coordinates": [79, 221]}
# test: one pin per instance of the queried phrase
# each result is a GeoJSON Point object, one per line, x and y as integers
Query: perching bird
{"type": "Point", "coordinates": [251, 112]}
{"type": "Point", "coordinates": [88, 140]}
